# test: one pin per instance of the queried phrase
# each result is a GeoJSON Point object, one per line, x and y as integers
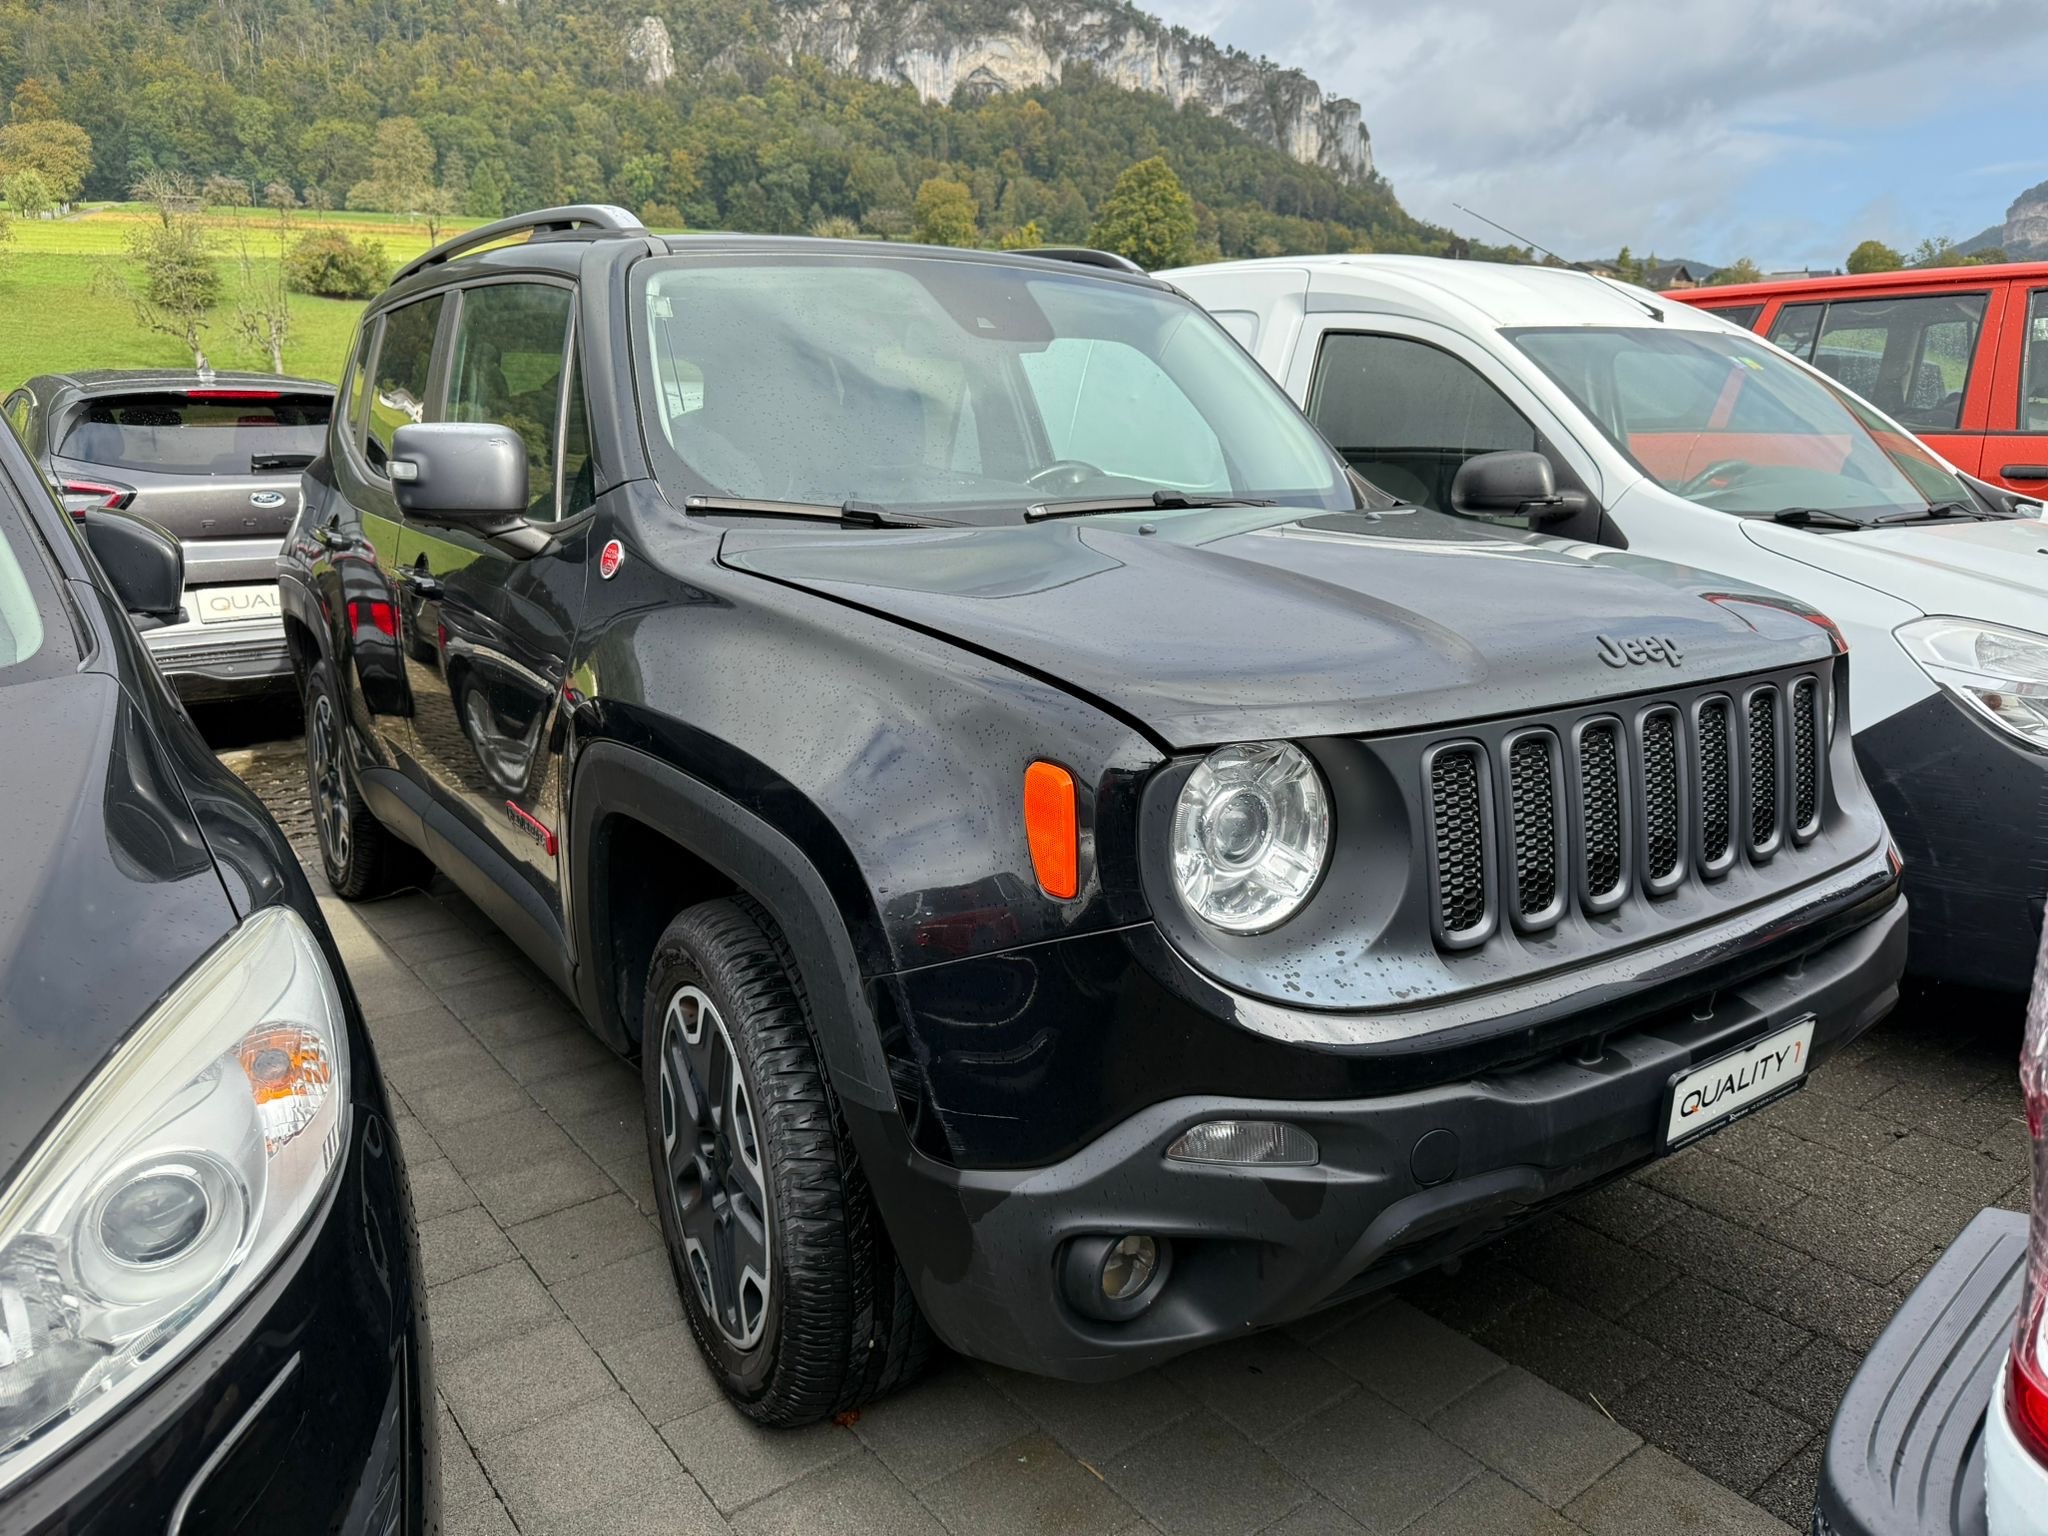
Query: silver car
{"type": "Point", "coordinates": [213, 457]}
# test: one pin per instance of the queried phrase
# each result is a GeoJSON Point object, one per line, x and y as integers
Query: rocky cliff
{"type": "Point", "coordinates": [987, 46]}
{"type": "Point", "coordinates": [2024, 234]}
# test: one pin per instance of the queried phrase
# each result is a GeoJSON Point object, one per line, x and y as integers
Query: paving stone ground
{"type": "Point", "coordinates": [1661, 1355]}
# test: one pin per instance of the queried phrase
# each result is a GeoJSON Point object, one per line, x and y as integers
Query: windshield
{"type": "Point", "coordinates": [922, 383]}
{"type": "Point", "coordinates": [1733, 424]}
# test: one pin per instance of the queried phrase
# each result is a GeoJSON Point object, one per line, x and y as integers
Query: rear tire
{"type": "Point", "coordinates": [361, 856]}
{"type": "Point", "coordinates": [791, 1287]}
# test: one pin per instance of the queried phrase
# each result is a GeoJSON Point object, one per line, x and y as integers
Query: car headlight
{"type": "Point", "coordinates": [2000, 673]}
{"type": "Point", "coordinates": [173, 1182]}
{"type": "Point", "coordinates": [1251, 833]}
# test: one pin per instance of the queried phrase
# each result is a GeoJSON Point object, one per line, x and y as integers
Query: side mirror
{"type": "Point", "coordinates": [143, 561]}
{"type": "Point", "coordinates": [460, 475]}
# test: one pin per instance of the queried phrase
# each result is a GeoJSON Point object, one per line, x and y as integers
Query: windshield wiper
{"type": "Point", "coordinates": [1801, 517]}
{"type": "Point", "coordinates": [1936, 510]}
{"type": "Point", "coordinates": [849, 514]}
{"type": "Point", "coordinates": [259, 462]}
{"type": "Point", "coordinates": [1158, 501]}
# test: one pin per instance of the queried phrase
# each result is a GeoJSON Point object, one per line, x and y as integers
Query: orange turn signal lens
{"type": "Point", "coordinates": [1051, 825]}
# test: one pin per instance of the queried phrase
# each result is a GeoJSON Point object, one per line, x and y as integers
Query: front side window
{"type": "Point", "coordinates": [956, 387]}
{"type": "Point", "coordinates": [1407, 415]}
{"type": "Point", "coordinates": [2034, 365]}
{"type": "Point", "coordinates": [1908, 357]}
{"type": "Point", "coordinates": [1727, 422]}
{"type": "Point", "coordinates": [398, 392]}
{"type": "Point", "coordinates": [505, 366]}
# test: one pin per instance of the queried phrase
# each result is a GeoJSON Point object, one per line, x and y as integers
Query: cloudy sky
{"type": "Point", "coordinates": [1782, 130]}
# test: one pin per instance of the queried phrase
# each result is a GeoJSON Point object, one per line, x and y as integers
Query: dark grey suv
{"type": "Point", "coordinates": [213, 457]}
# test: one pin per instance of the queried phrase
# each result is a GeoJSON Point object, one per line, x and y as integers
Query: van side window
{"type": "Point", "coordinates": [1744, 315]}
{"type": "Point", "coordinates": [1908, 357]}
{"type": "Point", "coordinates": [398, 393]}
{"type": "Point", "coordinates": [1795, 328]}
{"type": "Point", "coordinates": [2034, 365]}
{"type": "Point", "coordinates": [1407, 415]}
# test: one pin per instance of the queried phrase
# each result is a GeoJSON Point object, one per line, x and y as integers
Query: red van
{"type": "Point", "coordinates": [1959, 354]}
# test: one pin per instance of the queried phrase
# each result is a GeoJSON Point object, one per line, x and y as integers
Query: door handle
{"type": "Point", "coordinates": [2025, 472]}
{"type": "Point", "coordinates": [419, 583]}
{"type": "Point", "coordinates": [329, 536]}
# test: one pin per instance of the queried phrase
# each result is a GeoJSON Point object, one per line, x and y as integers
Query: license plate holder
{"type": "Point", "coordinates": [1737, 1083]}
{"type": "Point", "coordinates": [235, 605]}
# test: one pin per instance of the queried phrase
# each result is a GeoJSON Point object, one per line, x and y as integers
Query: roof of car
{"type": "Point", "coordinates": [1917, 279]}
{"type": "Point", "coordinates": [107, 380]}
{"type": "Point", "coordinates": [1488, 293]}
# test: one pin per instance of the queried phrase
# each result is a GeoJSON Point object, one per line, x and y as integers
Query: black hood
{"type": "Point", "coordinates": [110, 894]}
{"type": "Point", "coordinates": [1249, 623]}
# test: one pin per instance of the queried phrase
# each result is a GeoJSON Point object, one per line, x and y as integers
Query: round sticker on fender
{"type": "Point", "coordinates": [610, 558]}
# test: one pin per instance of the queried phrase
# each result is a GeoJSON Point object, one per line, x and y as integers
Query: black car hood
{"type": "Point", "coordinates": [108, 895]}
{"type": "Point", "coordinates": [1239, 623]}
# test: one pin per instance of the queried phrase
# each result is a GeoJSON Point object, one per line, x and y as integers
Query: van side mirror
{"type": "Point", "coordinates": [143, 561]}
{"type": "Point", "coordinates": [460, 474]}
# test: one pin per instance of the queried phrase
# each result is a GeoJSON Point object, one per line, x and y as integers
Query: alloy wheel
{"type": "Point", "coordinates": [711, 1148]}
{"type": "Point", "coordinates": [330, 792]}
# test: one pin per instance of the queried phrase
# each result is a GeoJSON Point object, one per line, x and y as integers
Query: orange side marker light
{"type": "Point", "coordinates": [1051, 826]}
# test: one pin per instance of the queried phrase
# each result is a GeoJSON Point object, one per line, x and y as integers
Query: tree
{"type": "Point", "coordinates": [329, 265]}
{"type": "Point", "coordinates": [28, 192]}
{"type": "Point", "coordinates": [1937, 251]}
{"type": "Point", "coordinates": [1743, 271]}
{"type": "Point", "coordinates": [401, 169]}
{"type": "Point", "coordinates": [1148, 216]}
{"type": "Point", "coordinates": [59, 152]}
{"type": "Point", "coordinates": [435, 206]}
{"type": "Point", "coordinates": [263, 308]}
{"type": "Point", "coordinates": [32, 103]}
{"type": "Point", "coordinates": [1990, 256]}
{"type": "Point", "coordinates": [944, 213]}
{"type": "Point", "coordinates": [176, 284]}
{"type": "Point", "coordinates": [225, 192]}
{"type": "Point", "coordinates": [1874, 256]}
{"type": "Point", "coordinates": [486, 199]}
{"type": "Point", "coordinates": [1026, 236]}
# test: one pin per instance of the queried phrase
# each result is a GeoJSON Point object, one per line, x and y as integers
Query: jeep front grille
{"type": "Point", "coordinates": [1532, 822]}
{"type": "Point", "coordinates": [1600, 813]}
{"type": "Point", "coordinates": [1717, 785]}
{"type": "Point", "coordinates": [1457, 791]}
{"type": "Point", "coordinates": [1762, 706]}
{"type": "Point", "coordinates": [1629, 802]}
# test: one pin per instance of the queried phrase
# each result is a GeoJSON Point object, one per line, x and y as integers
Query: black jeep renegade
{"type": "Point", "coordinates": [1082, 873]}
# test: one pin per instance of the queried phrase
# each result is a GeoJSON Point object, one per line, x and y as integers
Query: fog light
{"type": "Point", "coordinates": [1113, 1279]}
{"type": "Point", "coordinates": [1266, 1143]}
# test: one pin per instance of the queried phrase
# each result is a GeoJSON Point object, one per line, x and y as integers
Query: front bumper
{"type": "Point", "coordinates": [1406, 1179]}
{"type": "Point", "coordinates": [1969, 811]}
{"type": "Point", "coordinates": [311, 1409]}
{"type": "Point", "coordinates": [1906, 1454]}
{"type": "Point", "coordinates": [206, 662]}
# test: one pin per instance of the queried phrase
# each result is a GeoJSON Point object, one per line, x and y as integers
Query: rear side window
{"type": "Point", "coordinates": [1407, 415]}
{"type": "Point", "coordinates": [1908, 357]}
{"type": "Point", "coordinates": [351, 421]}
{"type": "Point", "coordinates": [398, 390]}
{"type": "Point", "coordinates": [200, 431]}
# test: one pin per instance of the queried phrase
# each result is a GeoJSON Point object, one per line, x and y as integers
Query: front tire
{"type": "Point", "coordinates": [361, 857]}
{"type": "Point", "coordinates": [790, 1285]}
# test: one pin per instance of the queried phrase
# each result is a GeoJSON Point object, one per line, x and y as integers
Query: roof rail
{"type": "Point", "coordinates": [590, 220]}
{"type": "Point", "coordinates": [1081, 255]}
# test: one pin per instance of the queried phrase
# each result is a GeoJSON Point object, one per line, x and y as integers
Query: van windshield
{"type": "Point", "coordinates": [1731, 423]}
{"type": "Point", "coordinates": [955, 386]}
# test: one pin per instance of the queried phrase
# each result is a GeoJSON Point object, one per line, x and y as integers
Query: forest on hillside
{"type": "Point", "coordinates": [527, 103]}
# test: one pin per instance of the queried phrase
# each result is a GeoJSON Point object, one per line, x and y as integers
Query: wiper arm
{"type": "Point", "coordinates": [849, 514]}
{"type": "Point", "coordinates": [259, 462]}
{"type": "Point", "coordinates": [1934, 510]}
{"type": "Point", "coordinates": [1158, 501]}
{"type": "Point", "coordinates": [1800, 517]}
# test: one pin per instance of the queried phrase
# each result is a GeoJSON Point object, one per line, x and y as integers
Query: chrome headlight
{"type": "Point", "coordinates": [174, 1181]}
{"type": "Point", "coordinates": [1251, 833]}
{"type": "Point", "coordinates": [2000, 673]}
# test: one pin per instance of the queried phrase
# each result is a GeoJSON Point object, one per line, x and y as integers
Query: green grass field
{"type": "Point", "coordinates": [56, 319]}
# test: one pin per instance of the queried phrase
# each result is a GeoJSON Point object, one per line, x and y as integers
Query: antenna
{"type": "Point", "coordinates": [1518, 239]}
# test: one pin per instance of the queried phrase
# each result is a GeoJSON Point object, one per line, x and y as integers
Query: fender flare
{"type": "Point", "coordinates": [612, 779]}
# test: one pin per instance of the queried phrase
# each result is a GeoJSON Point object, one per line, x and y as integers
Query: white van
{"type": "Point", "coordinates": [1573, 406]}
